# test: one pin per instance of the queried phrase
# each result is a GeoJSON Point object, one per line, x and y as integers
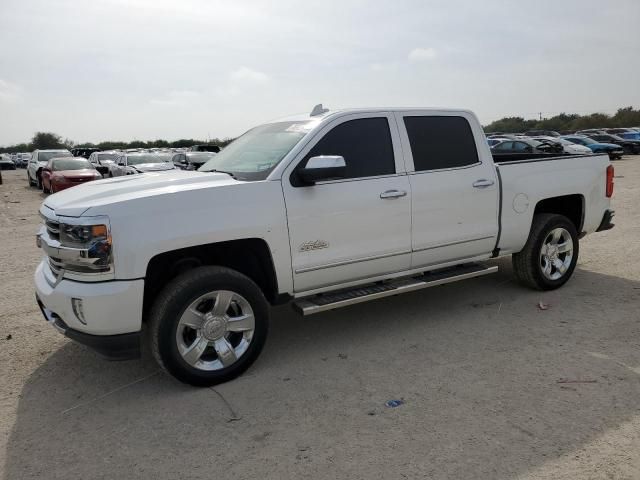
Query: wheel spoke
{"type": "Point", "coordinates": [223, 300]}
{"type": "Point", "coordinates": [555, 238]}
{"type": "Point", "coordinates": [547, 268]}
{"type": "Point", "coordinates": [559, 264]}
{"type": "Point", "coordinates": [192, 318]}
{"type": "Point", "coordinates": [195, 351]}
{"type": "Point", "coordinates": [241, 324]}
{"type": "Point", "coordinates": [225, 351]}
{"type": "Point", "coordinates": [565, 247]}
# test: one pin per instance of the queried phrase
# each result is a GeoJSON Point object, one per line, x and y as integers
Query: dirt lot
{"type": "Point", "coordinates": [493, 386]}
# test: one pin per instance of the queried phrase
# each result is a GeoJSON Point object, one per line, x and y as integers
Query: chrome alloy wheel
{"type": "Point", "coordinates": [556, 253]}
{"type": "Point", "coordinates": [215, 330]}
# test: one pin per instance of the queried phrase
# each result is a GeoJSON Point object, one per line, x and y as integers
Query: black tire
{"type": "Point", "coordinates": [39, 180]}
{"type": "Point", "coordinates": [173, 301]}
{"type": "Point", "coordinates": [526, 263]}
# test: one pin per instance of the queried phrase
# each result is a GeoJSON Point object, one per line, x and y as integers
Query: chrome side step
{"type": "Point", "coordinates": [343, 298]}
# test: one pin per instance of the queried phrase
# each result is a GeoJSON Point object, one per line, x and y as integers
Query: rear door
{"type": "Point", "coordinates": [355, 227]}
{"type": "Point", "coordinates": [454, 192]}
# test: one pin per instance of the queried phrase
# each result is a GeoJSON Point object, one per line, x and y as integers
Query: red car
{"type": "Point", "coordinates": [61, 173]}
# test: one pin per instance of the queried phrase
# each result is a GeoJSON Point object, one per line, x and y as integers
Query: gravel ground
{"type": "Point", "coordinates": [493, 387]}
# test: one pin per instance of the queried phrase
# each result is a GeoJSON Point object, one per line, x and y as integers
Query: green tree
{"type": "Point", "coordinates": [43, 140]}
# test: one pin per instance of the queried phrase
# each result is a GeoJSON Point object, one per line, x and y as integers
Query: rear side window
{"type": "Point", "coordinates": [441, 142]}
{"type": "Point", "coordinates": [365, 145]}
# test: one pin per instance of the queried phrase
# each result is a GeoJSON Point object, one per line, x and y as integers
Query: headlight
{"type": "Point", "coordinates": [84, 245]}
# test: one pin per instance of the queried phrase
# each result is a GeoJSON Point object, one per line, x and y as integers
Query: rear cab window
{"type": "Point", "coordinates": [440, 142]}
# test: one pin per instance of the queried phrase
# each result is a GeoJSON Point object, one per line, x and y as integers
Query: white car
{"type": "Point", "coordinates": [569, 147]}
{"type": "Point", "coordinates": [322, 210]}
{"type": "Point", "coordinates": [39, 160]}
{"type": "Point", "coordinates": [137, 162]}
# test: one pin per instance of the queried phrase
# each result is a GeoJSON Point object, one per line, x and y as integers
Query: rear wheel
{"type": "Point", "coordinates": [208, 325]}
{"type": "Point", "coordinates": [549, 257]}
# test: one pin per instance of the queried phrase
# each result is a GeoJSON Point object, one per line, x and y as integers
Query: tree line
{"type": "Point", "coordinates": [45, 140]}
{"type": "Point", "coordinates": [568, 122]}
{"type": "Point", "coordinates": [564, 122]}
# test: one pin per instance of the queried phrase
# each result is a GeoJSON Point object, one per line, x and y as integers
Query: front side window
{"type": "Point", "coordinates": [365, 144]}
{"type": "Point", "coordinates": [504, 146]}
{"type": "Point", "coordinates": [441, 142]}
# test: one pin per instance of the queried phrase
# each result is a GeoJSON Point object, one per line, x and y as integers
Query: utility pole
{"type": "Point", "coordinates": [540, 113]}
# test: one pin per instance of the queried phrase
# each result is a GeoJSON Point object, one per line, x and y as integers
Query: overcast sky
{"type": "Point", "coordinates": [147, 69]}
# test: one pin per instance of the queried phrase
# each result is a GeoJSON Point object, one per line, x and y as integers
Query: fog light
{"type": "Point", "coordinates": [76, 303]}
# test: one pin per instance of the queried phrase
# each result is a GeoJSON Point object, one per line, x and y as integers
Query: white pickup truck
{"type": "Point", "coordinates": [322, 210]}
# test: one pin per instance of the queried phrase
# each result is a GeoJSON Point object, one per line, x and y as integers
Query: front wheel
{"type": "Point", "coordinates": [208, 325]}
{"type": "Point", "coordinates": [549, 257]}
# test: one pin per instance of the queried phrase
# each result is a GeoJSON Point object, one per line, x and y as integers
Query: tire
{"type": "Point", "coordinates": [38, 180]}
{"type": "Point", "coordinates": [529, 264]}
{"type": "Point", "coordinates": [31, 183]}
{"type": "Point", "coordinates": [220, 354]}
{"type": "Point", "coordinates": [45, 189]}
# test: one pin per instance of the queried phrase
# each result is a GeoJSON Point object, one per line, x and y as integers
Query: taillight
{"type": "Point", "coordinates": [609, 181]}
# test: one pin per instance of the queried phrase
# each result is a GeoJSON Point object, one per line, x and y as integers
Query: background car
{"type": "Point", "coordinates": [205, 148]}
{"type": "Point", "coordinates": [541, 133]}
{"type": "Point", "coordinates": [6, 163]}
{"type": "Point", "coordinates": [527, 145]}
{"type": "Point", "coordinates": [83, 151]}
{"type": "Point", "coordinates": [103, 158]}
{"type": "Point", "coordinates": [628, 145]}
{"type": "Point", "coordinates": [137, 162]}
{"type": "Point", "coordinates": [64, 172]}
{"type": "Point", "coordinates": [39, 160]}
{"type": "Point", "coordinates": [191, 160]}
{"type": "Point", "coordinates": [567, 146]}
{"type": "Point", "coordinates": [614, 151]}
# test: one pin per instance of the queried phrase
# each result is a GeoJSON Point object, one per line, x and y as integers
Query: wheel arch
{"type": "Point", "coordinates": [571, 206]}
{"type": "Point", "coordinates": [251, 257]}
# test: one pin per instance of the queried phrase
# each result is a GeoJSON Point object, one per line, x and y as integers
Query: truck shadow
{"type": "Point", "coordinates": [493, 387]}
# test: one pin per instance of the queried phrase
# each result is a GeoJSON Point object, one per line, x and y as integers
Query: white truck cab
{"type": "Point", "coordinates": [322, 210]}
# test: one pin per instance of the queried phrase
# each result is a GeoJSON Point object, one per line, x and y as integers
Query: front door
{"type": "Point", "coordinates": [356, 227]}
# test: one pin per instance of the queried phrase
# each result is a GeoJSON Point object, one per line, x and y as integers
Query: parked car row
{"type": "Point", "coordinates": [14, 160]}
{"type": "Point", "coordinates": [613, 141]}
{"type": "Point", "coordinates": [566, 144]}
{"type": "Point", "coordinates": [57, 169]}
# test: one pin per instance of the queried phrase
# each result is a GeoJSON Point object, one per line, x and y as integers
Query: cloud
{"type": "Point", "coordinates": [249, 75]}
{"type": "Point", "coordinates": [422, 54]}
{"type": "Point", "coordinates": [9, 92]}
{"type": "Point", "coordinates": [176, 98]}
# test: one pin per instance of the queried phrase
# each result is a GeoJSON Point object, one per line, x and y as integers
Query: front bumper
{"type": "Point", "coordinates": [125, 346]}
{"type": "Point", "coordinates": [112, 311]}
{"type": "Point", "coordinates": [606, 224]}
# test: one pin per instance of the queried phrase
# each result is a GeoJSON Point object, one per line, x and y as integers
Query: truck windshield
{"type": "Point", "coordinates": [256, 153]}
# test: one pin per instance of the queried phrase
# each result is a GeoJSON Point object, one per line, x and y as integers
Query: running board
{"type": "Point", "coordinates": [343, 298]}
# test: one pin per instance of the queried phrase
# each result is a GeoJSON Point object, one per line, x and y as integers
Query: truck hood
{"type": "Point", "coordinates": [76, 201]}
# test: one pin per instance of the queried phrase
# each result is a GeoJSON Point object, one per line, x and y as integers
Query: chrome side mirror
{"type": "Point", "coordinates": [323, 167]}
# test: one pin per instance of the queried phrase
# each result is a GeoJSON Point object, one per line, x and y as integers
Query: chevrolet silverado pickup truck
{"type": "Point", "coordinates": [322, 210]}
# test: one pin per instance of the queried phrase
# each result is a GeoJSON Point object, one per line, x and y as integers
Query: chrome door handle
{"type": "Point", "coordinates": [482, 183]}
{"type": "Point", "coordinates": [393, 194]}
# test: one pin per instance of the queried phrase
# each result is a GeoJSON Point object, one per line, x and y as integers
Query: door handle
{"type": "Point", "coordinates": [482, 183]}
{"type": "Point", "coordinates": [393, 194]}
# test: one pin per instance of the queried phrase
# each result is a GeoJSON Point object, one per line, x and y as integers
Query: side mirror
{"type": "Point", "coordinates": [102, 170]}
{"type": "Point", "coordinates": [323, 167]}
{"type": "Point", "coordinates": [121, 164]}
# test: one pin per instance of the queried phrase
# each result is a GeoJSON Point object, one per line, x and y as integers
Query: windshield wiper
{"type": "Point", "coordinates": [223, 171]}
